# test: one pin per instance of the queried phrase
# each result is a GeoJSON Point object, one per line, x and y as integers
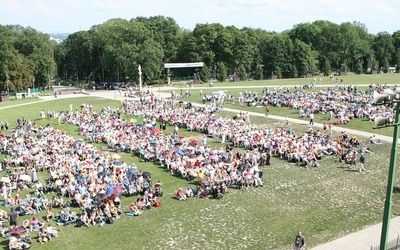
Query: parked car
{"type": "Point", "coordinates": [100, 86]}
{"type": "Point", "coordinates": [124, 85]}
{"type": "Point", "coordinates": [112, 86]}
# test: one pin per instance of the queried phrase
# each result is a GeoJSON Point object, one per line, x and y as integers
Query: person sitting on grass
{"type": "Point", "coordinates": [66, 218]}
{"type": "Point", "coordinates": [36, 204]}
{"type": "Point", "coordinates": [140, 204]}
{"type": "Point", "coordinates": [4, 230]}
{"type": "Point", "coordinates": [27, 209]}
{"type": "Point", "coordinates": [374, 140]}
{"type": "Point", "coordinates": [35, 224]}
{"type": "Point", "coordinates": [51, 231]}
{"type": "Point", "coordinates": [84, 219]}
{"type": "Point", "coordinates": [201, 192]}
{"type": "Point", "coordinates": [100, 217]}
{"type": "Point", "coordinates": [133, 210]}
{"type": "Point", "coordinates": [114, 211]}
{"type": "Point", "coordinates": [50, 214]}
{"type": "Point", "coordinates": [3, 215]}
{"type": "Point", "coordinates": [365, 149]}
{"type": "Point", "coordinates": [11, 200]}
{"type": "Point", "coordinates": [59, 202]}
{"type": "Point", "coordinates": [92, 217]}
{"type": "Point", "coordinates": [180, 195]}
{"type": "Point", "coordinates": [16, 243]}
{"type": "Point", "coordinates": [189, 192]}
{"type": "Point", "coordinates": [27, 225]}
{"type": "Point", "coordinates": [42, 236]}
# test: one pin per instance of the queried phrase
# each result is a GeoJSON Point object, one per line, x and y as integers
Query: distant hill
{"type": "Point", "coordinates": [58, 37]}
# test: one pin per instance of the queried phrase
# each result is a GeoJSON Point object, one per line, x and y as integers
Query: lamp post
{"type": "Point", "coordinates": [390, 185]}
{"type": "Point", "coordinates": [8, 83]}
{"type": "Point", "coordinates": [384, 122]}
{"type": "Point", "coordinates": [169, 76]}
{"type": "Point", "coordinates": [48, 75]}
{"type": "Point", "coordinates": [140, 79]}
{"type": "Point", "coordinates": [33, 87]}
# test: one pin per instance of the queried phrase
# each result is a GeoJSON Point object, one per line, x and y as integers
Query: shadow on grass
{"type": "Point", "coordinates": [4, 244]}
{"type": "Point", "coordinates": [344, 166]}
{"type": "Point", "coordinates": [396, 190]}
{"type": "Point", "coordinates": [351, 170]}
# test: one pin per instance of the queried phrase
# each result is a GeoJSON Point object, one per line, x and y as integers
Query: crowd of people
{"type": "Point", "coordinates": [92, 179]}
{"type": "Point", "coordinates": [342, 103]}
{"type": "Point", "coordinates": [193, 158]}
{"type": "Point", "coordinates": [81, 177]}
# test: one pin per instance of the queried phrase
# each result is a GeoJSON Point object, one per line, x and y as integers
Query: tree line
{"type": "Point", "coordinates": [112, 51]}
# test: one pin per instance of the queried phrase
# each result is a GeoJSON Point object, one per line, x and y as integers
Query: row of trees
{"type": "Point", "coordinates": [113, 50]}
{"type": "Point", "coordinates": [26, 56]}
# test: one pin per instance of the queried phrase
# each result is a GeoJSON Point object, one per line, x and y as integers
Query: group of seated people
{"type": "Point", "coordinates": [205, 190]}
{"type": "Point", "coordinates": [45, 233]}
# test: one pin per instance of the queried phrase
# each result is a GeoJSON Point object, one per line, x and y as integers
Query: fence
{"type": "Point", "coordinates": [392, 245]}
{"type": "Point", "coordinates": [33, 90]}
{"type": "Point", "coordinates": [182, 78]}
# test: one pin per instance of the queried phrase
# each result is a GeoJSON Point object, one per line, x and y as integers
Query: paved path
{"type": "Point", "coordinates": [361, 240]}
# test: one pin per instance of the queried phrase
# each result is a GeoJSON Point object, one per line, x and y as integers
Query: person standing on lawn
{"type": "Point", "coordinates": [311, 118]}
{"type": "Point", "coordinates": [299, 242]}
{"type": "Point", "coordinates": [362, 161]}
{"type": "Point", "coordinates": [12, 218]}
{"type": "Point", "coordinates": [266, 111]}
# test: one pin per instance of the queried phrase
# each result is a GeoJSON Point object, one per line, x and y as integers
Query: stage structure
{"type": "Point", "coordinates": [169, 66]}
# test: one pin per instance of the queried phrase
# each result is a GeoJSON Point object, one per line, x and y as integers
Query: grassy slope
{"type": "Point", "coordinates": [325, 203]}
{"type": "Point", "coordinates": [361, 81]}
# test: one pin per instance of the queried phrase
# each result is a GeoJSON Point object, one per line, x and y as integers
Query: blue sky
{"type": "Point", "coordinates": [68, 16]}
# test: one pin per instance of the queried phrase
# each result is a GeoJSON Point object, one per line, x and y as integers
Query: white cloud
{"type": "Point", "coordinates": [109, 4]}
{"type": "Point", "coordinates": [271, 15]}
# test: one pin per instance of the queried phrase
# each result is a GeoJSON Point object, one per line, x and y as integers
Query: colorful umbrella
{"type": "Point", "coordinates": [116, 156]}
{"type": "Point", "coordinates": [117, 190]}
{"type": "Point", "coordinates": [200, 158]}
{"type": "Point", "coordinates": [25, 177]}
{"type": "Point", "coordinates": [213, 157]}
{"type": "Point", "coordinates": [5, 179]}
{"type": "Point", "coordinates": [155, 131]}
{"type": "Point", "coordinates": [17, 230]}
{"type": "Point", "coordinates": [100, 197]}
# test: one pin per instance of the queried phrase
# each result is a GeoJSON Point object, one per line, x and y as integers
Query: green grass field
{"type": "Point", "coordinates": [325, 203]}
{"type": "Point", "coordinates": [362, 81]}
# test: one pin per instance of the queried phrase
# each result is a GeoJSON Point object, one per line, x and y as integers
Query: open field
{"type": "Point", "coordinates": [325, 202]}
{"type": "Point", "coordinates": [347, 79]}
{"type": "Point", "coordinates": [362, 82]}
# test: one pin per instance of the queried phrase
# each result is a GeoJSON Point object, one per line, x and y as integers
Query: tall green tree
{"type": "Point", "coordinates": [6, 51]}
{"type": "Point", "coordinates": [150, 57]}
{"type": "Point", "coordinates": [79, 55]}
{"type": "Point", "coordinates": [396, 44]}
{"type": "Point", "coordinates": [384, 49]}
{"type": "Point", "coordinates": [242, 72]}
{"type": "Point", "coordinates": [204, 73]}
{"type": "Point", "coordinates": [258, 74]}
{"type": "Point", "coordinates": [166, 32]}
{"type": "Point", "coordinates": [222, 72]}
{"type": "Point", "coordinates": [304, 58]}
{"type": "Point", "coordinates": [277, 55]}
{"type": "Point", "coordinates": [35, 46]}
